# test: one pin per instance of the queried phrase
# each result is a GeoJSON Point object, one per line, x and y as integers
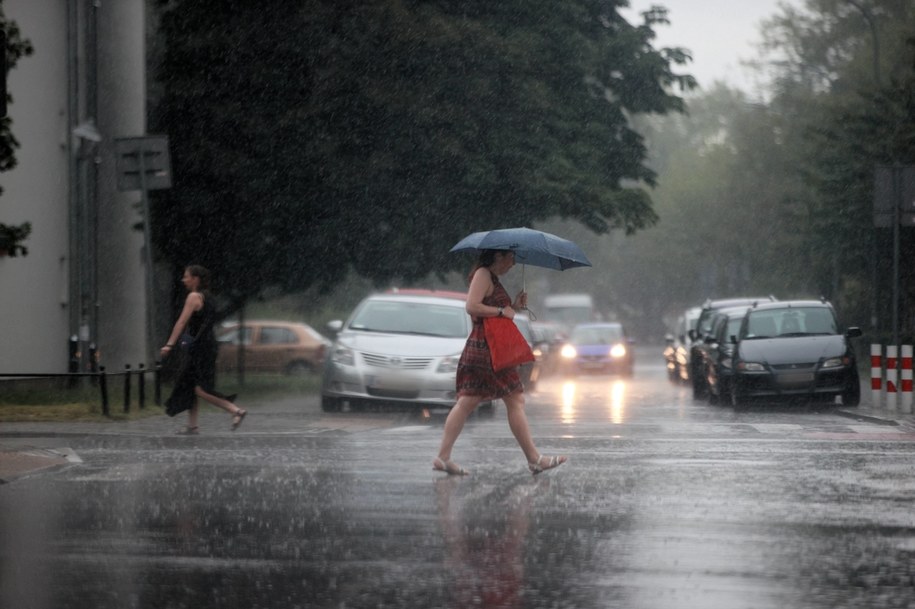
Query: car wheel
{"type": "Point", "coordinates": [700, 389]}
{"type": "Point", "coordinates": [329, 404]}
{"type": "Point", "coordinates": [851, 395]}
{"type": "Point", "coordinates": [713, 398]}
{"type": "Point", "coordinates": [298, 368]}
{"type": "Point", "coordinates": [738, 398]}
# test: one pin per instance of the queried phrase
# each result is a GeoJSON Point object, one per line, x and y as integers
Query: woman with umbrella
{"type": "Point", "coordinates": [476, 379]}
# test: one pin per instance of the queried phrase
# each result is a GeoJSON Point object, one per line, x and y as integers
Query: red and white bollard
{"type": "Point", "coordinates": [876, 375]}
{"type": "Point", "coordinates": [905, 403]}
{"type": "Point", "coordinates": [892, 377]}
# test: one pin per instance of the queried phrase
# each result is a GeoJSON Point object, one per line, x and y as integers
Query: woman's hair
{"type": "Point", "coordinates": [487, 257]}
{"type": "Point", "coordinates": [200, 273]}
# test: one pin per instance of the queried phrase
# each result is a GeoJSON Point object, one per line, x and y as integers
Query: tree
{"type": "Point", "coordinates": [311, 138]}
{"type": "Point", "coordinates": [16, 47]}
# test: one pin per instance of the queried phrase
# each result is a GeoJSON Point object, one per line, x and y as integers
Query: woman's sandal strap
{"type": "Point", "coordinates": [554, 461]}
{"type": "Point", "coordinates": [441, 465]}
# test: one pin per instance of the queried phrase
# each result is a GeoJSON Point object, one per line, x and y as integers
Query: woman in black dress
{"type": "Point", "coordinates": [198, 376]}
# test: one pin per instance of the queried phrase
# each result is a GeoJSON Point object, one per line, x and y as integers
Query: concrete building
{"type": "Point", "coordinates": [84, 275]}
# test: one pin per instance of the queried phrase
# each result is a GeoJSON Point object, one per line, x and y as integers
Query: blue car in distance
{"type": "Point", "coordinates": [597, 348]}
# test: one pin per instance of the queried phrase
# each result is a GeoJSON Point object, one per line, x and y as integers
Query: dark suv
{"type": "Point", "coordinates": [700, 334]}
{"type": "Point", "coordinates": [794, 350]}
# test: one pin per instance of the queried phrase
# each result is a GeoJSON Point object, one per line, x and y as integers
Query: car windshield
{"type": "Point", "coordinates": [596, 335]}
{"type": "Point", "coordinates": [411, 318]}
{"type": "Point", "coordinates": [794, 321]}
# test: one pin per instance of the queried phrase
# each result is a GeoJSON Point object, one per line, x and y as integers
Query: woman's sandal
{"type": "Point", "coordinates": [188, 431]}
{"type": "Point", "coordinates": [554, 461]}
{"type": "Point", "coordinates": [238, 418]}
{"type": "Point", "coordinates": [440, 465]}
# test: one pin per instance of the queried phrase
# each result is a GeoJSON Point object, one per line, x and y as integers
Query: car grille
{"type": "Point", "coordinates": [799, 367]}
{"type": "Point", "coordinates": [400, 394]}
{"type": "Point", "coordinates": [401, 363]}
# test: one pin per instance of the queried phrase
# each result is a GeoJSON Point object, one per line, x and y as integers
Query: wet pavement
{"type": "Point", "coordinates": [665, 503]}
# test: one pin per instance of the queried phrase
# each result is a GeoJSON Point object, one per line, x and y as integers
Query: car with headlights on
{"type": "Point", "coordinates": [271, 346]}
{"type": "Point", "coordinates": [399, 347]}
{"type": "Point", "coordinates": [598, 347]}
{"type": "Point", "coordinates": [676, 349]}
{"type": "Point", "coordinates": [794, 350]}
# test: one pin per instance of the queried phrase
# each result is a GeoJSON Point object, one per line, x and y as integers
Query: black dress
{"type": "Point", "coordinates": [198, 368]}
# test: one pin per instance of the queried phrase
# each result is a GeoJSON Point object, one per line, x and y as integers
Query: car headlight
{"type": "Point", "coordinates": [343, 356]}
{"type": "Point", "coordinates": [751, 367]}
{"type": "Point", "coordinates": [618, 351]}
{"type": "Point", "coordinates": [835, 362]}
{"type": "Point", "coordinates": [448, 364]}
{"type": "Point", "coordinates": [568, 352]}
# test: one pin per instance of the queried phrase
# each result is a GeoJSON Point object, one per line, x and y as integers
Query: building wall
{"type": "Point", "coordinates": [34, 295]}
{"type": "Point", "coordinates": [39, 310]}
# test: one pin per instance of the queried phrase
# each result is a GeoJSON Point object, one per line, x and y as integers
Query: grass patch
{"type": "Point", "coordinates": [84, 403]}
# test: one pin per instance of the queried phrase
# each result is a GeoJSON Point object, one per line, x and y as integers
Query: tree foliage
{"type": "Point", "coordinates": [16, 47]}
{"type": "Point", "coordinates": [310, 138]}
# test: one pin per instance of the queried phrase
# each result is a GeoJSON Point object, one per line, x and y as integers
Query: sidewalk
{"type": "Point", "coordinates": [29, 447]}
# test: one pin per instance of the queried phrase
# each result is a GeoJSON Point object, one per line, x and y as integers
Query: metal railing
{"type": "Point", "coordinates": [101, 378]}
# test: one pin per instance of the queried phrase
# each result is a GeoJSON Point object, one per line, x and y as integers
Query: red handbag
{"type": "Point", "coordinates": [507, 346]}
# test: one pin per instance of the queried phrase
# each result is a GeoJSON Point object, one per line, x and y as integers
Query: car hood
{"type": "Point", "coordinates": [593, 349]}
{"type": "Point", "coordinates": [787, 350]}
{"type": "Point", "coordinates": [409, 345]}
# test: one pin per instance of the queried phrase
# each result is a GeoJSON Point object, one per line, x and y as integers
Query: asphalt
{"type": "Point", "coordinates": [30, 448]}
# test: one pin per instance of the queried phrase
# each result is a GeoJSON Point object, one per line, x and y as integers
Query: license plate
{"type": "Point", "coordinates": [795, 378]}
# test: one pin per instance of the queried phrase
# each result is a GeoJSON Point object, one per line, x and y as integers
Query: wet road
{"type": "Point", "coordinates": [665, 503]}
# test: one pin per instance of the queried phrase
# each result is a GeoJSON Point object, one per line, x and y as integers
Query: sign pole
{"type": "Point", "coordinates": [143, 164]}
{"type": "Point", "coordinates": [150, 284]}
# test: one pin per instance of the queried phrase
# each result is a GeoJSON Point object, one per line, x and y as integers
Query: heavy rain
{"type": "Point", "coordinates": [725, 360]}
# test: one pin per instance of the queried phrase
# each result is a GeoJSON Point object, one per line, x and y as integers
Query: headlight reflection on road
{"type": "Point", "coordinates": [568, 402]}
{"type": "Point", "coordinates": [617, 402]}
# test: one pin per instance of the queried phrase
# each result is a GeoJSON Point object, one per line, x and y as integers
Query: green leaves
{"type": "Point", "coordinates": [317, 137]}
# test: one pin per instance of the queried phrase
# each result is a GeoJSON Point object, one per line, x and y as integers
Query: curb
{"type": "Point", "coordinates": [869, 417]}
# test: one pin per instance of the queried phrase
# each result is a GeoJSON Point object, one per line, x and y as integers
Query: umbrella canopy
{"type": "Point", "coordinates": [530, 246]}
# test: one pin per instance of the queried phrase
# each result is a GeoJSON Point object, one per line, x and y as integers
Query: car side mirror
{"type": "Point", "coordinates": [853, 332]}
{"type": "Point", "coordinates": [334, 326]}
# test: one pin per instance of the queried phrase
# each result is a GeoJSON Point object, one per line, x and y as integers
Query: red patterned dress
{"type": "Point", "coordinates": [475, 375]}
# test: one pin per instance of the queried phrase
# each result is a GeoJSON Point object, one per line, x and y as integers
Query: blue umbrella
{"type": "Point", "coordinates": [530, 246]}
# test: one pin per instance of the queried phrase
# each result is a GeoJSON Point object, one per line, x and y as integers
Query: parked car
{"type": "Point", "coordinates": [400, 347]}
{"type": "Point", "coordinates": [530, 371]}
{"type": "Point", "coordinates": [272, 346]}
{"type": "Point", "coordinates": [600, 347]}
{"type": "Point", "coordinates": [676, 350]}
{"type": "Point", "coordinates": [794, 349]}
{"type": "Point", "coordinates": [698, 335]}
{"type": "Point", "coordinates": [717, 352]}
{"type": "Point", "coordinates": [548, 339]}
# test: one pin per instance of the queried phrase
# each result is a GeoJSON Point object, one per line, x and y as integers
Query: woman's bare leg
{"type": "Point", "coordinates": [462, 409]}
{"type": "Point", "coordinates": [216, 401]}
{"type": "Point", "coordinates": [192, 416]}
{"type": "Point", "coordinates": [517, 422]}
